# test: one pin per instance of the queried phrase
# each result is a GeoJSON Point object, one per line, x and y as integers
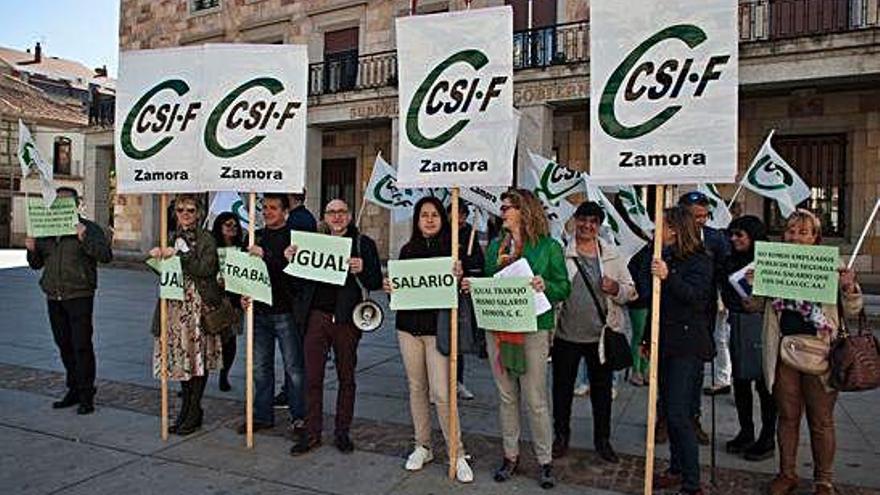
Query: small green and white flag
{"type": "Point", "coordinates": [719, 214]}
{"type": "Point", "coordinates": [382, 188]}
{"type": "Point", "coordinates": [552, 183]}
{"type": "Point", "coordinates": [614, 230]}
{"type": "Point", "coordinates": [635, 209]}
{"type": "Point", "coordinates": [771, 177]}
{"type": "Point", "coordinates": [29, 157]}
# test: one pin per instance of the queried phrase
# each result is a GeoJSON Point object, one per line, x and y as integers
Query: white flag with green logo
{"type": "Point", "coordinates": [614, 230]}
{"type": "Point", "coordinates": [224, 201]}
{"type": "Point", "coordinates": [382, 188]}
{"type": "Point", "coordinates": [719, 214]}
{"type": "Point", "coordinates": [552, 183]}
{"type": "Point", "coordinates": [635, 209]}
{"type": "Point", "coordinates": [29, 157]}
{"type": "Point", "coordinates": [771, 177]}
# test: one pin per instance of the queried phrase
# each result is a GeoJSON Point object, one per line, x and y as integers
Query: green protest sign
{"type": "Point", "coordinates": [247, 275]}
{"type": "Point", "coordinates": [61, 219]}
{"type": "Point", "coordinates": [170, 277]}
{"type": "Point", "coordinates": [793, 271]}
{"type": "Point", "coordinates": [422, 284]}
{"type": "Point", "coordinates": [320, 257]}
{"type": "Point", "coordinates": [506, 304]}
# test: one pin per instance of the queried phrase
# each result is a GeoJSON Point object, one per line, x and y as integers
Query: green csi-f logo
{"type": "Point", "coordinates": [657, 80]}
{"type": "Point", "coordinates": [769, 175]}
{"type": "Point", "coordinates": [241, 110]}
{"type": "Point", "coordinates": [28, 154]}
{"type": "Point", "coordinates": [385, 191]}
{"type": "Point", "coordinates": [556, 182]}
{"type": "Point", "coordinates": [439, 95]}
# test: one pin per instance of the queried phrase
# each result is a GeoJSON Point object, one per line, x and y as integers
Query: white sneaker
{"type": "Point", "coordinates": [464, 393]}
{"type": "Point", "coordinates": [419, 457]}
{"type": "Point", "coordinates": [582, 390]}
{"type": "Point", "coordinates": [463, 472]}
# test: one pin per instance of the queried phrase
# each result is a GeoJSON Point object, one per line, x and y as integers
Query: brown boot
{"type": "Point", "coordinates": [782, 485]}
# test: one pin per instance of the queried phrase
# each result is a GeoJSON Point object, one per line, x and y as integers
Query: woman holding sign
{"type": "Point", "coordinates": [192, 351]}
{"type": "Point", "coordinates": [796, 390]}
{"type": "Point", "coordinates": [427, 370]}
{"type": "Point", "coordinates": [519, 360]}
{"type": "Point", "coordinates": [228, 234]}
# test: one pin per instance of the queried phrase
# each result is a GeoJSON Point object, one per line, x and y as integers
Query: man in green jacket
{"type": "Point", "coordinates": [69, 279]}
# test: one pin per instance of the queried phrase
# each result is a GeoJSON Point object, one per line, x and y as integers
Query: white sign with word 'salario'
{"type": "Point", "coordinates": [456, 99]}
{"type": "Point", "coordinates": [663, 96]}
{"type": "Point", "coordinates": [212, 118]}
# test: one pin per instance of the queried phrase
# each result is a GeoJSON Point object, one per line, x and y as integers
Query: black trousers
{"type": "Point", "coordinates": [566, 359]}
{"type": "Point", "coordinates": [71, 321]}
{"type": "Point", "coordinates": [744, 399]}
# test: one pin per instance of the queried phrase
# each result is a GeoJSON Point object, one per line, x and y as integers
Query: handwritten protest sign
{"type": "Point", "coordinates": [792, 271]}
{"type": "Point", "coordinates": [61, 219]}
{"type": "Point", "coordinates": [247, 275]}
{"type": "Point", "coordinates": [320, 257]}
{"type": "Point", "coordinates": [504, 304]}
{"type": "Point", "coordinates": [170, 277]}
{"type": "Point", "coordinates": [422, 284]}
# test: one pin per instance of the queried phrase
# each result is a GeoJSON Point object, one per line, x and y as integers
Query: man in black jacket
{"type": "Point", "coordinates": [327, 310]}
{"type": "Point", "coordinates": [69, 280]}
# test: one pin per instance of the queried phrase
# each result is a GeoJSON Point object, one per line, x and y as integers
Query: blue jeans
{"type": "Point", "coordinates": [267, 329]}
{"type": "Point", "coordinates": [678, 390]}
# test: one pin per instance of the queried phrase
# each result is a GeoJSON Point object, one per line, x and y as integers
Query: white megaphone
{"type": "Point", "coordinates": [367, 315]}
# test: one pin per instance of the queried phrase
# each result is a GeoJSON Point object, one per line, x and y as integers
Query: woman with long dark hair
{"type": "Point", "coordinates": [227, 233]}
{"type": "Point", "coordinates": [427, 370]}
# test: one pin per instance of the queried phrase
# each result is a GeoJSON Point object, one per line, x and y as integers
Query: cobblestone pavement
{"type": "Point", "coordinates": [30, 372]}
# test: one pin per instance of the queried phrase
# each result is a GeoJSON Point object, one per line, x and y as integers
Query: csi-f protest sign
{"type": "Point", "coordinates": [60, 219]}
{"type": "Point", "coordinates": [170, 273]}
{"type": "Point", "coordinates": [663, 96]}
{"type": "Point", "coordinates": [455, 75]}
{"type": "Point", "coordinates": [247, 275]}
{"type": "Point", "coordinates": [319, 257]}
{"type": "Point", "coordinates": [506, 304]}
{"type": "Point", "coordinates": [426, 283]}
{"type": "Point", "coordinates": [212, 118]}
{"type": "Point", "coordinates": [794, 271]}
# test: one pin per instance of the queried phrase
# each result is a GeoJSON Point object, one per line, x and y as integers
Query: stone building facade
{"type": "Point", "coordinates": [810, 70]}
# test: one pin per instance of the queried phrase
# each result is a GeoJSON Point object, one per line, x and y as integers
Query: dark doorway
{"type": "Point", "coordinates": [5, 222]}
{"type": "Point", "coordinates": [338, 181]}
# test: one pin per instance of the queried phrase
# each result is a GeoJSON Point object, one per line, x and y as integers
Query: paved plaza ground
{"type": "Point", "coordinates": [118, 449]}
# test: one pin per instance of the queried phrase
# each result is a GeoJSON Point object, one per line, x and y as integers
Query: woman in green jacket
{"type": "Point", "coordinates": [519, 360]}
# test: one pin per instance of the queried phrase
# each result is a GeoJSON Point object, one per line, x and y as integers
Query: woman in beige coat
{"type": "Point", "coordinates": [793, 390]}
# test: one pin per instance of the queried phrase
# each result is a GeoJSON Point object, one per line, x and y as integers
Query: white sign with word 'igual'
{"type": "Point", "coordinates": [663, 97]}
{"type": "Point", "coordinates": [456, 99]}
{"type": "Point", "coordinates": [212, 118]}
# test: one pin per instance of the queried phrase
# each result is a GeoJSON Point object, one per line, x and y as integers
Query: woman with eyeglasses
{"type": "Point", "coordinates": [794, 390]}
{"type": "Point", "coordinates": [427, 370]}
{"type": "Point", "coordinates": [519, 360]}
{"type": "Point", "coordinates": [746, 319]}
{"type": "Point", "coordinates": [192, 353]}
{"type": "Point", "coordinates": [227, 233]}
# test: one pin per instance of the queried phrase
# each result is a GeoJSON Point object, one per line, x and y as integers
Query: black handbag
{"type": "Point", "coordinates": [618, 354]}
{"type": "Point", "coordinates": [221, 319]}
{"type": "Point", "coordinates": [467, 341]}
{"type": "Point", "coordinates": [746, 345]}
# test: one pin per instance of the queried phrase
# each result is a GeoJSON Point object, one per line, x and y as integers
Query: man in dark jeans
{"type": "Point", "coordinates": [69, 279]}
{"type": "Point", "coordinates": [328, 309]}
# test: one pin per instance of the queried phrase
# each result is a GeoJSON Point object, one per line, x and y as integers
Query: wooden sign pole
{"type": "Point", "coordinates": [249, 352]}
{"type": "Point", "coordinates": [453, 352]}
{"type": "Point", "coordinates": [163, 318]}
{"type": "Point", "coordinates": [655, 342]}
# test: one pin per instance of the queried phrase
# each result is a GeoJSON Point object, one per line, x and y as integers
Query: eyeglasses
{"type": "Point", "coordinates": [331, 213]}
{"type": "Point", "coordinates": [189, 210]}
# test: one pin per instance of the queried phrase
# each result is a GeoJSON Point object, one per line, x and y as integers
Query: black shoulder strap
{"type": "Point", "coordinates": [599, 308]}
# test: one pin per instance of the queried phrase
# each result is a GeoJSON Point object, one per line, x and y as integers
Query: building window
{"type": "Point", "coordinates": [61, 161]}
{"type": "Point", "coordinates": [534, 45]}
{"type": "Point", "coordinates": [340, 60]}
{"type": "Point", "coordinates": [820, 160]}
{"type": "Point", "coordinates": [203, 5]}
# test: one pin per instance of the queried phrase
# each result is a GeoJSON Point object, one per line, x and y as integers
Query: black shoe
{"type": "Point", "coordinates": [70, 399]}
{"type": "Point", "coordinates": [241, 429]}
{"type": "Point", "coordinates": [740, 443]}
{"type": "Point", "coordinates": [761, 450]}
{"type": "Point", "coordinates": [545, 477]}
{"type": "Point", "coordinates": [722, 390]}
{"type": "Point", "coordinates": [280, 401]}
{"type": "Point", "coordinates": [304, 445]}
{"type": "Point", "coordinates": [224, 384]}
{"type": "Point", "coordinates": [85, 407]}
{"type": "Point", "coordinates": [560, 446]}
{"type": "Point", "coordinates": [607, 453]}
{"type": "Point", "coordinates": [343, 443]}
{"type": "Point", "coordinates": [506, 471]}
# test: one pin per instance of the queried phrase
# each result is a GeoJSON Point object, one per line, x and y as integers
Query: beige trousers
{"type": "Point", "coordinates": [533, 386]}
{"type": "Point", "coordinates": [427, 373]}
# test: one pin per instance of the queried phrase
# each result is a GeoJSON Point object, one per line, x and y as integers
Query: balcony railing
{"type": "Point", "coordinates": [350, 72]}
{"type": "Point", "coordinates": [767, 20]}
{"type": "Point", "coordinates": [553, 45]}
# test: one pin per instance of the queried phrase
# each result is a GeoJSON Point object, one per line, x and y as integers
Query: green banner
{"type": "Point", "coordinates": [320, 257]}
{"type": "Point", "coordinates": [170, 277]}
{"type": "Point", "coordinates": [506, 303]}
{"type": "Point", "coordinates": [247, 275]}
{"type": "Point", "coordinates": [793, 271]}
{"type": "Point", "coordinates": [422, 284]}
{"type": "Point", "coordinates": [61, 219]}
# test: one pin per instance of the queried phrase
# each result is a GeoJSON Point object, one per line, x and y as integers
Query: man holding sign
{"type": "Point", "coordinates": [325, 309]}
{"type": "Point", "coordinates": [69, 280]}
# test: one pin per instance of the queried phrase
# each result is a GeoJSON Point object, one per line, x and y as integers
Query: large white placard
{"type": "Point", "coordinates": [457, 124]}
{"type": "Point", "coordinates": [212, 118]}
{"type": "Point", "coordinates": [663, 95]}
